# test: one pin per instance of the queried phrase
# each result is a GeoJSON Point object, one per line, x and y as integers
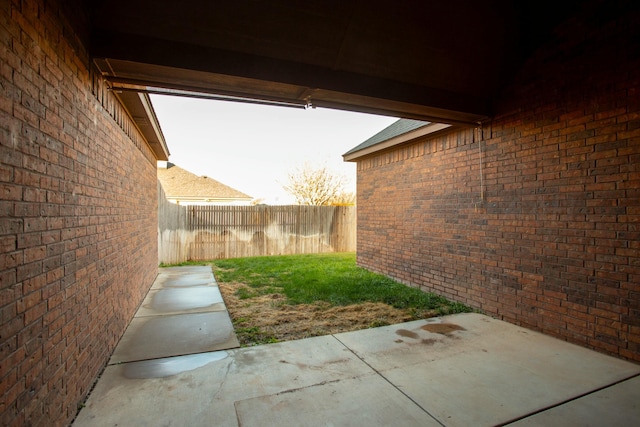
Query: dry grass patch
{"type": "Point", "coordinates": [269, 318]}
{"type": "Point", "coordinates": [272, 299]}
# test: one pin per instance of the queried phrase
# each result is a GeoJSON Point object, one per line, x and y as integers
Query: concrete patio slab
{"type": "Point", "coordinates": [271, 369]}
{"type": "Point", "coordinates": [464, 369]}
{"type": "Point", "coordinates": [615, 406]}
{"type": "Point", "coordinates": [175, 335]}
{"type": "Point", "coordinates": [181, 391]}
{"type": "Point", "coordinates": [363, 401]}
{"type": "Point", "coordinates": [184, 398]}
{"type": "Point", "coordinates": [470, 369]}
{"type": "Point", "coordinates": [169, 366]}
{"type": "Point", "coordinates": [191, 299]}
{"type": "Point", "coordinates": [178, 364]}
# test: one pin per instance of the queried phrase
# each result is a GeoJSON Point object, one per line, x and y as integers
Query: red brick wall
{"type": "Point", "coordinates": [78, 216]}
{"type": "Point", "coordinates": [538, 221]}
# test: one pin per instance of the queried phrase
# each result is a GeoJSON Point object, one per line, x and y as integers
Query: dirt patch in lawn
{"type": "Point", "coordinates": [267, 318]}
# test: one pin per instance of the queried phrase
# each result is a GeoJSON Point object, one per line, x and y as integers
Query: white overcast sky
{"type": "Point", "coordinates": [253, 148]}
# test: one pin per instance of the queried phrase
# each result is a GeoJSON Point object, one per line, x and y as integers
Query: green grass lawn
{"type": "Point", "coordinates": [333, 278]}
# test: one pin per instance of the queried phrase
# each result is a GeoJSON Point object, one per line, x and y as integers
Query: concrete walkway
{"type": "Point", "coordinates": [459, 370]}
{"type": "Point", "coordinates": [183, 313]}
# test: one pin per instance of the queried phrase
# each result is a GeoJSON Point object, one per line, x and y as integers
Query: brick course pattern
{"type": "Point", "coordinates": [534, 217]}
{"type": "Point", "coordinates": [78, 215]}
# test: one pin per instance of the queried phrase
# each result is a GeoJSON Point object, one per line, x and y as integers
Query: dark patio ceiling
{"type": "Point", "coordinates": [431, 60]}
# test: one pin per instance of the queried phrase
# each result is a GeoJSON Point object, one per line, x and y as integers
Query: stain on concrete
{"type": "Point", "coordinates": [250, 357]}
{"type": "Point", "coordinates": [407, 334]}
{"type": "Point", "coordinates": [175, 335]}
{"type": "Point", "coordinates": [160, 368]}
{"type": "Point", "coordinates": [442, 328]}
{"type": "Point", "coordinates": [182, 280]}
{"type": "Point", "coordinates": [175, 299]}
{"type": "Point", "coordinates": [321, 367]}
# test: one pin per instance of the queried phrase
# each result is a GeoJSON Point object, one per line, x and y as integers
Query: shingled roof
{"type": "Point", "coordinates": [398, 132]}
{"type": "Point", "coordinates": [394, 129]}
{"type": "Point", "coordinates": [181, 184]}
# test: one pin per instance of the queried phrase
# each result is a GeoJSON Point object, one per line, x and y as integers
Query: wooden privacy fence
{"type": "Point", "coordinates": [215, 232]}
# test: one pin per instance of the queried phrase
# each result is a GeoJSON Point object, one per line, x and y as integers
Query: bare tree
{"type": "Point", "coordinates": [345, 199]}
{"type": "Point", "coordinates": [317, 186]}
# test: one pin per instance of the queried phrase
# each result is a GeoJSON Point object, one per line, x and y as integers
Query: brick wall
{"type": "Point", "coordinates": [78, 215]}
{"type": "Point", "coordinates": [535, 218]}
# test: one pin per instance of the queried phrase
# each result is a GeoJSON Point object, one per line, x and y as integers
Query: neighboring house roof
{"type": "Point", "coordinates": [398, 132]}
{"type": "Point", "coordinates": [180, 183]}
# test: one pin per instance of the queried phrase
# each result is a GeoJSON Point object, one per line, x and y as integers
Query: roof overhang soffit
{"type": "Point", "coordinates": [140, 109]}
{"type": "Point", "coordinates": [338, 90]}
